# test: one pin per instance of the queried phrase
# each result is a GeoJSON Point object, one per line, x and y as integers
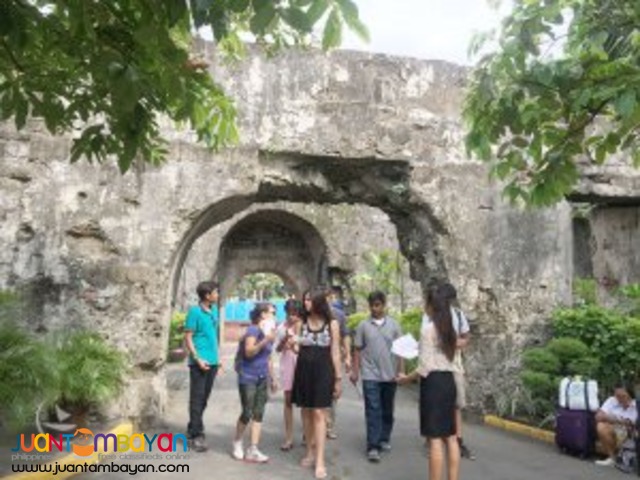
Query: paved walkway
{"type": "Point", "coordinates": [501, 456]}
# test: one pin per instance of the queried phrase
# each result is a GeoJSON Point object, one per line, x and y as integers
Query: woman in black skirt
{"type": "Point", "coordinates": [438, 343]}
{"type": "Point", "coordinates": [317, 378]}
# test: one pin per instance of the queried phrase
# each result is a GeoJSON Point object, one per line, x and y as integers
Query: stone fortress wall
{"type": "Point", "coordinates": [328, 139]}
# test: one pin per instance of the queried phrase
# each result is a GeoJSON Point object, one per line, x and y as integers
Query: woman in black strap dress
{"type": "Point", "coordinates": [317, 379]}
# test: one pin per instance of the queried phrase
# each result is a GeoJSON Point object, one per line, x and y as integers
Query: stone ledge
{"type": "Point", "coordinates": [520, 428]}
{"type": "Point", "coordinates": [71, 459]}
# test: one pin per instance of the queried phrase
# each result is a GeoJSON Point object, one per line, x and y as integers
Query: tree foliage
{"type": "Point", "coordinates": [383, 271]}
{"type": "Point", "coordinates": [260, 286]}
{"type": "Point", "coordinates": [108, 69]}
{"type": "Point", "coordinates": [562, 87]}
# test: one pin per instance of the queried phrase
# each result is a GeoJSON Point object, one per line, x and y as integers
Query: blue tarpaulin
{"type": "Point", "coordinates": [239, 310]}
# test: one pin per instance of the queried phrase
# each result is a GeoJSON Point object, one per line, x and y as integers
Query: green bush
{"type": "Point", "coordinates": [612, 337]}
{"type": "Point", "coordinates": [176, 329]}
{"type": "Point", "coordinates": [567, 350]}
{"type": "Point", "coordinates": [410, 322]}
{"type": "Point", "coordinates": [545, 366]}
{"type": "Point", "coordinates": [541, 385]}
{"type": "Point", "coordinates": [591, 324]}
{"type": "Point", "coordinates": [355, 319]}
{"type": "Point", "coordinates": [90, 371]}
{"type": "Point", "coordinates": [585, 367]}
{"type": "Point", "coordinates": [630, 299]}
{"type": "Point", "coordinates": [541, 360]}
{"type": "Point", "coordinates": [79, 370]}
{"type": "Point", "coordinates": [586, 291]}
{"type": "Point", "coordinates": [28, 376]}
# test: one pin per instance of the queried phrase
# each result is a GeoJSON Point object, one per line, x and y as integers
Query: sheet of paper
{"type": "Point", "coordinates": [405, 347]}
{"type": "Point", "coordinates": [268, 326]}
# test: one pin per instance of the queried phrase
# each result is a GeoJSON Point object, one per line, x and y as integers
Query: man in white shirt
{"type": "Point", "coordinates": [615, 422]}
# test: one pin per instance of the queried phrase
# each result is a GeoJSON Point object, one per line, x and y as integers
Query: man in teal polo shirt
{"type": "Point", "coordinates": [201, 337]}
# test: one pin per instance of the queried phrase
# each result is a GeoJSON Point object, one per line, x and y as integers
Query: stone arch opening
{"type": "Point", "coordinates": [272, 241]}
{"type": "Point", "coordinates": [383, 184]}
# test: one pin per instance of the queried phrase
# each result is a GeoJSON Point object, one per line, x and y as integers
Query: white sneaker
{"type": "Point", "coordinates": [607, 462]}
{"type": "Point", "coordinates": [254, 455]}
{"type": "Point", "coordinates": [238, 450]}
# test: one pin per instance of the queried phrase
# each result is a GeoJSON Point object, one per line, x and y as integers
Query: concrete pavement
{"type": "Point", "coordinates": [501, 456]}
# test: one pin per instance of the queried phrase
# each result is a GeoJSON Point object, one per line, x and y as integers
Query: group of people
{"type": "Point", "coordinates": [314, 346]}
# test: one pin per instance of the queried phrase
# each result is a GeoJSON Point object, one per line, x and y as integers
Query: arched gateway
{"type": "Point", "coordinates": [107, 251]}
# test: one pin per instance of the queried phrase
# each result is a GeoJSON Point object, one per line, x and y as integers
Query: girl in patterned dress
{"type": "Point", "coordinates": [318, 377]}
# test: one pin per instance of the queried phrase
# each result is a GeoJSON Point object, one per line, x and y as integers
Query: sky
{"type": "Point", "coordinates": [429, 29]}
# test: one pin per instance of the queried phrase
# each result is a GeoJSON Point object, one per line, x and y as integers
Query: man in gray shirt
{"type": "Point", "coordinates": [379, 368]}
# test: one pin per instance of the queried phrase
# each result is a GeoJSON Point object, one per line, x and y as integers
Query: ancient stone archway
{"type": "Point", "coordinates": [272, 241]}
{"type": "Point", "coordinates": [304, 179]}
{"type": "Point", "coordinates": [107, 250]}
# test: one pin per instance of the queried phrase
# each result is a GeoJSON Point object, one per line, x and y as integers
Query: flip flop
{"type": "Point", "coordinates": [321, 473]}
{"type": "Point", "coordinates": [285, 447]}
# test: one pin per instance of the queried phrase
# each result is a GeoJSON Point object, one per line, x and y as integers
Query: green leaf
{"type": "Point", "coordinates": [262, 18]}
{"type": "Point", "coordinates": [351, 17]}
{"type": "Point", "coordinates": [317, 10]}
{"type": "Point", "coordinates": [176, 10]}
{"type": "Point", "coordinates": [295, 17]}
{"type": "Point", "coordinates": [626, 104]}
{"type": "Point", "coordinates": [332, 36]}
{"type": "Point", "coordinates": [239, 6]}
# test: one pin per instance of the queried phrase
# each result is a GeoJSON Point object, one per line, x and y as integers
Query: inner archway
{"type": "Point", "coordinates": [272, 241]}
{"type": "Point", "coordinates": [236, 305]}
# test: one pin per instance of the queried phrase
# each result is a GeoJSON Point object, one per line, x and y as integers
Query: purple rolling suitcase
{"type": "Point", "coordinates": [576, 432]}
{"type": "Point", "coordinates": [638, 439]}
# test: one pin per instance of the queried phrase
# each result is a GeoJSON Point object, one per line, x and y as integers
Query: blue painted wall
{"type": "Point", "coordinates": [238, 310]}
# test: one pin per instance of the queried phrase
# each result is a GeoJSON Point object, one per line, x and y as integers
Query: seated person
{"type": "Point", "coordinates": [615, 421]}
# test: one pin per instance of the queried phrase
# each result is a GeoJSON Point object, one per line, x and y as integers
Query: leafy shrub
{"type": "Point", "coordinates": [585, 367]}
{"type": "Point", "coordinates": [355, 319]}
{"type": "Point", "coordinates": [410, 322]}
{"type": "Point", "coordinates": [90, 371]}
{"type": "Point", "coordinates": [611, 336]}
{"type": "Point", "coordinates": [545, 366]}
{"type": "Point", "coordinates": [586, 291]}
{"type": "Point", "coordinates": [590, 324]}
{"type": "Point", "coordinates": [567, 350]}
{"type": "Point", "coordinates": [79, 370]}
{"type": "Point", "coordinates": [28, 376]}
{"type": "Point", "coordinates": [541, 385]}
{"type": "Point", "coordinates": [630, 299]}
{"type": "Point", "coordinates": [176, 329]}
{"type": "Point", "coordinates": [540, 360]}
